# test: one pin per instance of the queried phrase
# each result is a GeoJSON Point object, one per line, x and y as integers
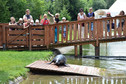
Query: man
{"type": "Point", "coordinates": [27, 16]}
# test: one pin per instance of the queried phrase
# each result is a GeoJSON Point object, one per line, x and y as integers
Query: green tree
{"type": "Point", "coordinates": [4, 12]}
{"type": "Point", "coordinates": [65, 13]}
{"type": "Point", "coordinates": [109, 3]}
{"type": "Point", "coordinates": [99, 4]}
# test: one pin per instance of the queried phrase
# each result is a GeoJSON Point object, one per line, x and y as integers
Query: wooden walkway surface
{"type": "Point", "coordinates": [72, 69]}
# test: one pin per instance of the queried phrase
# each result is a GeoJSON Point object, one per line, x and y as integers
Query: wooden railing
{"type": "Point", "coordinates": [99, 32]}
{"type": "Point", "coordinates": [75, 32]}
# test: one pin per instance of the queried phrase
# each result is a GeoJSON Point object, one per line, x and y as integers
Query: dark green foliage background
{"type": "Point", "coordinates": [66, 8]}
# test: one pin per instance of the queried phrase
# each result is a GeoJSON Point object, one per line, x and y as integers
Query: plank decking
{"type": "Point", "coordinates": [71, 69]}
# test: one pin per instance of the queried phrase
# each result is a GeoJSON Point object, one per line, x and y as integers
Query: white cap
{"type": "Point", "coordinates": [63, 18]}
{"type": "Point", "coordinates": [32, 21]}
{"type": "Point", "coordinates": [20, 19]}
{"type": "Point", "coordinates": [57, 14]}
{"type": "Point", "coordinates": [36, 20]}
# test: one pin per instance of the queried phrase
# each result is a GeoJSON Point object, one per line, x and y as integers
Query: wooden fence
{"type": "Point", "coordinates": [63, 34]}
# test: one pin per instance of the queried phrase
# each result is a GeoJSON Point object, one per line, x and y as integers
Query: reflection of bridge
{"type": "Point", "coordinates": [43, 37]}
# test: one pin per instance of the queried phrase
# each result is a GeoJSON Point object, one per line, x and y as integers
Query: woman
{"type": "Point", "coordinates": [81, 16]}
{"type": "Point", "coordinates": [12, 22]}
{"type": "Point", "coordinates": [56, 20]}
{"type": "Point", "coordinates": [122, 23]}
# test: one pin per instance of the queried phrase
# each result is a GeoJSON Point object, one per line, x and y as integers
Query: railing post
{"type": "Point", "coordinates": [46, 36]}
{"type": "Point", "coordinates": [30, 39]}
{"type": "Point", "coordinates": [4, 37]}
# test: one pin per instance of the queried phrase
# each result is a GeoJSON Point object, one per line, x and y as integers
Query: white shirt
{"type": "Point", "coordinates": [81, 16]}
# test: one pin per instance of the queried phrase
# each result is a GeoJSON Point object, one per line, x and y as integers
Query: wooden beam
{"type": "Point", "coordinates": [97, 50]}
{"type": "Point", "coordinates": [75, 50]}
{"type": "Point", "coordinates": [80, 50]}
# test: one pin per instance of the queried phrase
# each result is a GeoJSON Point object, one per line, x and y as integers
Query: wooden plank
{"type": "Point", "coordinates": [94, 30]}
{"type": "Point", "coordinates": [101, 29]}
{"type": "Point", "coordinates": [75, 32]}
{"type": "Point", "coordinates": [58, 34]}
{"type": "Point", "coordinates": [86, 31]}
{"type": "Point", "coordinates": [40, 32]}
{"type": "Point", "coordinates": [89, 30]}
{"type": "Point", "coordinates": [106, 29]}
{"type": "Point", "coordinates": [75, 50]}
{"type": "Point", "coordinates": [11, 38]}
{"type": "Point", "coordinates": [30, 38]}
{"type": "Point", "coordinates": [110, 29]}
{"type": "Point", "coordinates": [16, 31]}
{"type": "Point", "coordinates": [62, 34]}
{"type": "Point", "coordinates": [18, 43]}
{"type": "Point", "coordinates": [41, 42]}
{"type": "Point", "coordinates": [115, 28]}
{"type": "Point", "coordinates": [70, 32]}
{"type": "Point", "coordinates": [38, 37]}
{"type": "Point", "coordinates": [80, 34]}
{"type": "Point", "coordinates": [72, 69]}
{"type": "Point", "coordinates": [66, 33]}
{"type": "Point", "coordinates": [124, 27]}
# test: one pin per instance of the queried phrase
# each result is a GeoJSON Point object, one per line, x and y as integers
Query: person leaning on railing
{"type": "Point", "coordinates": [91, 15]}
{"type": "Point", "coordinates": [12, 22]}
{"type": "Point", "coordinates": [81, 16]}
{"type": "Point", "coordinates": [20, 22]}
{"type": "Point", "coordinates": [56, 20]}
{"type": "Point", "coordinates": [122, 23]}
{"type": "Point", "coordinates": [27, 16]}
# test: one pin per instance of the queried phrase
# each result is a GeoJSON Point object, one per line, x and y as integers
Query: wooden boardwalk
{"type": "Point", "coordinates": [70, 69]}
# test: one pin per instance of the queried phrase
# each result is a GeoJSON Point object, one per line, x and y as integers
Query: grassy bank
{"type": "Point", "coordinates": [12, 63]}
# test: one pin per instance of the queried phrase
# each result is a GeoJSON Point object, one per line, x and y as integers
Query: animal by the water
{"type": "Point", "coordinates": [59, 60]}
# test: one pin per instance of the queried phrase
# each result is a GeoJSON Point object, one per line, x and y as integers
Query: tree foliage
{"type": "Point", "coordinates": [66, 8]}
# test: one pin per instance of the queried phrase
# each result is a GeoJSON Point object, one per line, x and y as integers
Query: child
{"type": "Point", "coordinates": [37, 22]}
{"type": "Point", "coordinates": [26, 24]}
{"type": "Point", "coordinates": [64, 29]}
{"type": "Point", "coordinates": [20, 22]}
{"type": "Point", "coordinates": [32, 22]}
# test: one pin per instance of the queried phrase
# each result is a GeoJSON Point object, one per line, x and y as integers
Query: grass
{"type": "Point", "coordinates": [12, 63]}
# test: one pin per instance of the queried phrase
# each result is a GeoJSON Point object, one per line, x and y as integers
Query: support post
{"type": "Point", "coordinates": [30, 39]}
{"type": "Point", "coordinates": [4, 37]}
{"type": "Point", "coordinates": [97, 50]}
{"type": "Point", "coordinates": [75, 50]}
{"type": "Point", "coordinates": [80, 50]}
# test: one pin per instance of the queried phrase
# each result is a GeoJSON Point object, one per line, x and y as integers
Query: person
{"type": "Point", "coordinates": [12, 22]}
{"type": "Point", "coordinates": [81, 16]}
{"type": "Point", "coordinates": [108, 23]}
{"type": "Point", "coordinates": [26, 24]}
{"type": "Point", "coordinates": [91, 15]}
{"type": "Point", "coordinates": [64, 29]}
{"type": "Point", "coordinates": [56, 20]}
{"type": "Point", "coordinates": [37, 22]}
{"type": "Point", "coordinates": [122, 23]}
{"type": "Point", "coordinates": [45, 21]}
{"type": "Point", "coordinates": [32, 22]}
{"type": "Point", "coordinates": [27, 16]}
{"type": "Point", "coordinates": [20, 22]}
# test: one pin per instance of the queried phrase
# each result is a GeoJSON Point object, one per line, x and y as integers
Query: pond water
{"type": "Point", "coordinates": [115, 69]}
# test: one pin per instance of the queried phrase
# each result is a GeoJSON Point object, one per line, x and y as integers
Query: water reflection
{"type": "Point", "coordinates": [73, 80]}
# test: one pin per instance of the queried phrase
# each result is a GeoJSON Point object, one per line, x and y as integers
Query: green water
{"type": "Point", "coordinates": [115, 69]}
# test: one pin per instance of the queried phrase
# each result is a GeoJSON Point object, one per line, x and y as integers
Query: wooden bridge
{"type": "Point", "coordinates": [43, 37]}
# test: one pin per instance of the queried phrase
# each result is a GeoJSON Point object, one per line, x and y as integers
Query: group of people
{"type": "Point", "coordinates": [28, 20]}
